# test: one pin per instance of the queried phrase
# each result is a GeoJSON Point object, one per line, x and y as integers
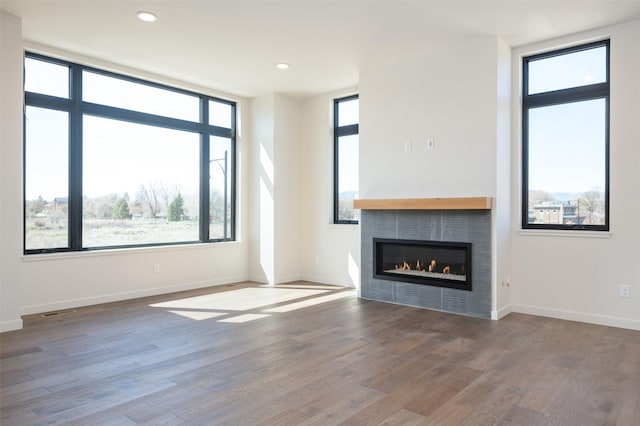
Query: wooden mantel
{"type": "Point", "coordinates": [466, 203]}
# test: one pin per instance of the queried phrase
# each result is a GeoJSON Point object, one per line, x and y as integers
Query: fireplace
{"type": "Point", "coordinates": [432, 226]}
{"type": "Point", "coordinates": [437, 263]}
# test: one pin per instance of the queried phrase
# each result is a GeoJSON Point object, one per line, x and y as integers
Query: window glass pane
{"type": "Point", "coordinates": [348, 112]}
{"type": "Point", "coordinates": [46, 178]}
{"type": "Point", "coordinates": [567, 152]}
{"type": "Point", "coordinates": [140, 184]}
{"type": "Point", "coordinates": [348, 182]}
{"type": "Point", "coordinates": [220, 173]}
{"type": "Point", "coordinates": [121, 93]}
{"type": "Point", "coordinates": [220, 114]}
{"type": "Point", "coordinates": [46, 78]}
{"type": "Point", "coordinates": [570, 70]}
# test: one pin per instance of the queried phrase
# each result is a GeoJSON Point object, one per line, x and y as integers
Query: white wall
{"type": "Point", "coordinates": [449, 95]}
{"type": "Point", "coordinates": [10, 171]}
{"type": "Point", "coordinates": [41, 283]}
{"type": "Point", "coordinates": [288, 188]}
{"type": "Point", "coordinates": [458, 95]}
{"type": "Point", "coordinates": [276, 186]}
{"type": "Point", "coordinates": [565, 275]}
{"type": "Point", "coordinates": [330, 253]}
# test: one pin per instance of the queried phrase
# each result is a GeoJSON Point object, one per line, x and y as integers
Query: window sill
{"type": "Point", "coordinates": [123, 251]}
{"type": "Point", "coordinates": [563, 234]}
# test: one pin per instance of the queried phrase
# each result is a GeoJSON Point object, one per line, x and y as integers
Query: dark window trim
{"type": "Point", "coordinates": [76, 108]}
{"type": "Point", "coordinates": [338, 132]}
{"type": "Point", "coordinates": [558, 97]}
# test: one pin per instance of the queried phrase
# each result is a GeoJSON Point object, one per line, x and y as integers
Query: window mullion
{"type": "Point", "coordinates": [575, 94]}
{"type": "Point", "coordinates": [204, 171]}
{"type": "Point", "coordinates": [352, 129]}
{"type": "Point", "coordinates": [232, 166]}
{"type": "Point", "coordinates": [75, 160]}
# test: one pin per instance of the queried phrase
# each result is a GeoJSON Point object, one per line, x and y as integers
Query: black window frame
{"type": "Point", "coordinates": [77, 108]}
{"type": "Point", "coordinates": [338, 132]}
{"type": "Point", "coordinates": [559, 97]}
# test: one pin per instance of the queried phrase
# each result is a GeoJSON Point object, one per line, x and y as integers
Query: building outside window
{"type": "Point", "coordinates": [346, 159]}
{"type": "Point", "coordinates": [114, 161]}
{"type": "Point", "coordinates": [565, 183]}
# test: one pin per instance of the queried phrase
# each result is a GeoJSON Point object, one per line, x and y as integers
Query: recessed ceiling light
{"type": "Point", "coordinates": [282, 66]}
{"type": "Point", "coordinates": [147, 16]}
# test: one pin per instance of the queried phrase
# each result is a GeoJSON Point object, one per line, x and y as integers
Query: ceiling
{"type": "Point", "coordinates": [233, 46]}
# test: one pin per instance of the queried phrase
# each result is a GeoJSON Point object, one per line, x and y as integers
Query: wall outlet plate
{"type": "Point", "coordinates": [408, 147]}
{"type": "Point", "coordinates": [625, 290]}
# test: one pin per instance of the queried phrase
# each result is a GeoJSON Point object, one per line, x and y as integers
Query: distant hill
{"type": "Point", "coordinates": [348, 195]}
{"type": "Point", "coordinates": [559, 196]}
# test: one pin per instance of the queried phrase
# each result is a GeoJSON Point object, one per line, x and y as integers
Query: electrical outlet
{"type": "Point", "coordinates": [625, 290]}
{"type": "Point", "coordinates": [431, 143]}
{"type": "Point", "coordinates": [156, 267]}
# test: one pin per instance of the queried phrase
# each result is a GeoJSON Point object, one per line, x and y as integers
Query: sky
{"type": "Point", "coordinates": [566, 147]}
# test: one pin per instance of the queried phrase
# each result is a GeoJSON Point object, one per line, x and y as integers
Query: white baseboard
{"type": "Point", "coordinates": [288, 279]}
{"type": "Point", "coordinates": [11, 325]}
{"type": "Point", "coordinates": [258, 279]}
{"type": "Point", "coordinates": [578, 316]}
{"type": "Point", "coordinates": [115, 297]}
{"type": "Point", "coordinates": [502, 312]}
{"type": "Point", "coordinates": [281, 280]}
{"type": "Point", "coordinates": [310, 278]}
{"type": "Point", "coordinates": [326, 280]}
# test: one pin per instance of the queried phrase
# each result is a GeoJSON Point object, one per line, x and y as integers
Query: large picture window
{"type": "Point", "coordinates": [346, 146]}
{"type": "Point", "coordinates": [113, 161]}
{"type": "Point", "coordinates": [565, 100]}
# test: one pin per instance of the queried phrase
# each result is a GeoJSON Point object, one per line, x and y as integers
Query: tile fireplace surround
{"type": "Point", "coordinates": [434, 219]}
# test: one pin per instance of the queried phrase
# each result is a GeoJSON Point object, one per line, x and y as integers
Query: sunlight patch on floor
{"type": "Point", "coordinates": [310, 302]}
{"type": "Point", "coordinates": [244, 318]}
{"type": "Point", "coordinates": [240, 300]}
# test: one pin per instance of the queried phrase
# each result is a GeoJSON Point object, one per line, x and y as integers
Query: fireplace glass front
{"type": "Point", "coordinates": [436, 263]}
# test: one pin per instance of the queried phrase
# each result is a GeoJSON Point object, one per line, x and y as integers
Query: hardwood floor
{"type": "Point", "coordinates": [311, 355]}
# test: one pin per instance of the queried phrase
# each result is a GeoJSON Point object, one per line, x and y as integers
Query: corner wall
{"type": "Point", "coordinates": [276, 188]}
{"type": "Point", "coordinates": [501, 223]}
{"type": "Point", "coordinates": [10, 171]}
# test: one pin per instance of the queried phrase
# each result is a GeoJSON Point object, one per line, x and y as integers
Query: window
{"type": "Point", "coordinates": [114, 161]}
{"type": "Point", "coordinates": [565, 138]}
{"type": "Point", "coordinates": [345, 144]}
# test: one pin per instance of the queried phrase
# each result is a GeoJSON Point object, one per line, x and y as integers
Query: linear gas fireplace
{"type": "Point", "coordinates": [430, 222]}
{"type": "Point", "coordinates": [436, 263]}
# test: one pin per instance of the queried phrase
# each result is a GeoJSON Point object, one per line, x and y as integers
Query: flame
{"type": "Point", "coordinates": [431, 267]}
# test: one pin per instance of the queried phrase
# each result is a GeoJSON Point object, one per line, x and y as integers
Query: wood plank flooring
{"type": "Point", "coordinates": [304, 354]}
